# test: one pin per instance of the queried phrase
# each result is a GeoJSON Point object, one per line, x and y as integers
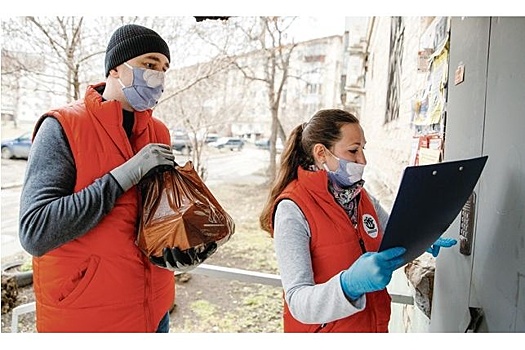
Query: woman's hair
{"type": "Point", "coordinates": [325, 128]}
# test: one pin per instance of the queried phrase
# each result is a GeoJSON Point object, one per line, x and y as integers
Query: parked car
{"type": "Point", "coordinates": [265, 144]}
{"type": "Point", "coordinates": [17, 147]}
{"type": "Point", "coordinates": [180, 142]}
{"type": "Point", "coordinates": [211, 138]}
{"type": "Point", "coordinates": [231, 143]}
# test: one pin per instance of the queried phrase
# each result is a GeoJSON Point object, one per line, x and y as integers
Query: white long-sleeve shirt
{"type": "Point", "coordinates": [308, 302]}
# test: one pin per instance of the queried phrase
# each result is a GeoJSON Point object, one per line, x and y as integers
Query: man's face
{"type": "Point", "coordinates": [154, 60]}
{"type": "Point", "coordinates": [123, 76]}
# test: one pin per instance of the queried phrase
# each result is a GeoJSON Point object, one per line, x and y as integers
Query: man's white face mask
{"type": "Point", "coordinates": [145, 89]}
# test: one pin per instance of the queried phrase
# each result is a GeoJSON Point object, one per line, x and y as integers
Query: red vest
{"type": "Point", "coordinates": [101, 282]}
{"type": "Point", "coordinates": [335, 245]}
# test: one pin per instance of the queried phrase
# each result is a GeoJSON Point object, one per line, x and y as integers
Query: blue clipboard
{"type": "Point", "coordinates": [430, 197]}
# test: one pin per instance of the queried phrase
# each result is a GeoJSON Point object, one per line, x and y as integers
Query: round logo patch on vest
{"type": "Point", "coordinates": [370, 225]}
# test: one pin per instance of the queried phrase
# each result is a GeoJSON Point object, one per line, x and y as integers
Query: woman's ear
{"type": "Point", "coordinates": [319, 153]}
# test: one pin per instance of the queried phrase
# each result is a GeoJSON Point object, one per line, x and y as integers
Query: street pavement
{"type": "Point", "coordinates": [12, 175]}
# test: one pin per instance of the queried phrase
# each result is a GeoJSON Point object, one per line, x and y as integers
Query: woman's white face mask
{"type": "Point", "coordinates": [347, 173]}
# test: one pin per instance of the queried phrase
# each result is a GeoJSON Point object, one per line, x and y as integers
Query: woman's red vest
{"type": "Point", "coordinates": [101, 282]}
{"type": "Point", "coordinates": [335, 245]}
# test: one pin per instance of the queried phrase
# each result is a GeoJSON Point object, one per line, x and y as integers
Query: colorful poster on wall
{"type": "Point", "coordinates": [429, 104]}
{"type": "Point", "coordinates": [420, 109]}
{"type": "Point", "coordinates": [437, 93]}
{"type": "Point", "coordinates": [428, 109]}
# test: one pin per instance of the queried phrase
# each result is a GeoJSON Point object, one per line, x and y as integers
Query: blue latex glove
{"type": "Point", "coordinates": [441, 243]}
{"type": "Point", "coordinates": [371, 272]}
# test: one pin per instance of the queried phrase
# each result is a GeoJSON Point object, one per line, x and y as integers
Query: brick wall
{"type": "Point", "coordinates": [389, 144]}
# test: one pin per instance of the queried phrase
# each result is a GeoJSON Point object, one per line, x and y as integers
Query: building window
{"type": "Point", "coordinates": [314, 89]}
{"type": "Point", "coordinates": [397, 36]}
{"type": "Point", "coordinates": [314, 58]}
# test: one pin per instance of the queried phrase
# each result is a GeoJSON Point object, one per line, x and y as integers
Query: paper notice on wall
{"type": "Point", "coordinates": [435, 142]}
{"type": "Point", "coordinates": [414, 148]}
{"type": "Point", "coordinates": [429, 156]}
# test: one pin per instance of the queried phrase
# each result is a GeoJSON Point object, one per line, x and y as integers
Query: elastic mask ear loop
{"type": "Point", "coordinates": [333, 155]}
{"type": "Point", "coordinates": [324, 163]}
{"type": "Point", "coordinates": [122, 84]}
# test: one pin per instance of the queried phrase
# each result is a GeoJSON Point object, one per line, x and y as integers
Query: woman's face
{"type": "Point", "coordinates": [350, 147]}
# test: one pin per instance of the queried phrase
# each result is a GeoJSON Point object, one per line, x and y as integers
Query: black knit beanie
{"type": "Point", "coordinates": [130, 41]}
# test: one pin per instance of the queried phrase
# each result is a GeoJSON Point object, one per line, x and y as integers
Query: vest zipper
{"type": "Point", "coordinates": [362, 245]}
{"type": "Point", "coordinates": [361, 241]}
{"type": "Point", "coordinates": [320, 328]}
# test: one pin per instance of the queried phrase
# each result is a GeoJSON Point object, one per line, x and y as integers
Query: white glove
{"type": "Point", "coordinates": [134, 169]}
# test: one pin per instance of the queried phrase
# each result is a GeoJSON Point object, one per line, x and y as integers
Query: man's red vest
{"type": "Point", "coordinates": [101, 282]}
{"type": "Point", "coordinates": [335, 245]}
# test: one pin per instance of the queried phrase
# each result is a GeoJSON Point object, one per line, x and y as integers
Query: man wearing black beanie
{"type": "Point", "coordinates": [79, 203]}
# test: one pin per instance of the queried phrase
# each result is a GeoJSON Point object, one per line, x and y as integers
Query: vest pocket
{"type": "Point", "coordinates": [77, 283]}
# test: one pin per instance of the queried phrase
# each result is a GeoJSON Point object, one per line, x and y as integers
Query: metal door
{"type": "Point", "coordinates": [485, 291]}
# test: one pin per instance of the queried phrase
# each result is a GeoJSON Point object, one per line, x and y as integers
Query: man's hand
{"type": "Point", "coordinates": [134, 169]}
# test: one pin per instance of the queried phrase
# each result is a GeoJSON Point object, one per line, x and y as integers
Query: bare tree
{"type": "Point", "coordinates": [192, 50]}
{"type": "Point", "coordinates": [269, 34]}
{"type": "Point", "coordinates": [59, 55]}
{"type": "Point", "coordinates": [201, 107]}
{"type": "Point", "coordinates": [47, 61]}
{"type": "Point", "coordinates": [62, 45]}
{"type": "Point", "coordinates": [261, 50]}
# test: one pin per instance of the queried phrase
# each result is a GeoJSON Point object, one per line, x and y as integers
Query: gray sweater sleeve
{"type": "Point", "coordinates": [51, 214]}
{"type": "Point", "coordinates": [382, 214]}
{"type": "Point", "coordinates": [309, 303]}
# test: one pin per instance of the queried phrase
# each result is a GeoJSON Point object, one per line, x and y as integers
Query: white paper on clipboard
{"type": "Point", "coordinates": [430, 197]}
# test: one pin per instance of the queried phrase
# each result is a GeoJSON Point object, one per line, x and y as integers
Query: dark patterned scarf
{"type": "Point", "coordinates": [348, 198]}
